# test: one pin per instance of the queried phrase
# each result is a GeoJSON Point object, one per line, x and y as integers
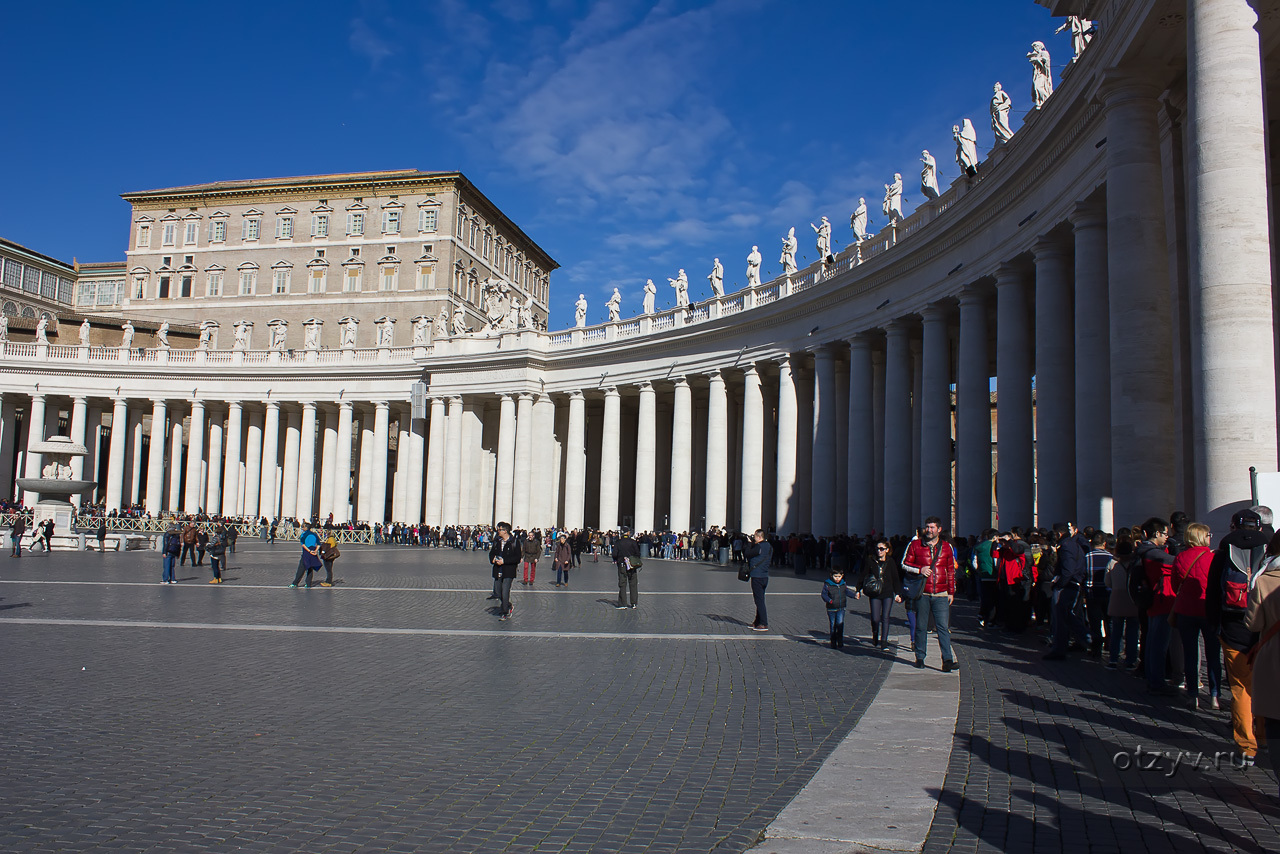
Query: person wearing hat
{"type": "Point", "coordinates": [172, 547]}
{"type": "Point", "coordinates": [1244, 548]}
{"type": "Point", "coordinates": [562, 559]}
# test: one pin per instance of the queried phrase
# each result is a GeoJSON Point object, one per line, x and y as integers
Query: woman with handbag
{"type": "Point", "coordinates": [881, 581]}
{"type": "Point", "coordinates": [1190, 580]}
{"type": "Point", "coordinates": [328, 554]}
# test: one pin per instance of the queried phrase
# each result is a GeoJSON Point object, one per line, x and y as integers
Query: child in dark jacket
{"type": "Point", "coordinates": [836, 594]}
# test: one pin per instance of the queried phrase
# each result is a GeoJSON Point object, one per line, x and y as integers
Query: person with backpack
{"type": "Point", "coordinates": [1236, 563]}
{"type": "Point", "coordinates": [835, 595]}
{"type": "Point", "coordinates": [1122, 612]}
{"type": "Point", "coordinates": [1190, 578]}
{"type": "Point", "coordinates": [1014, 572]}
{"type": "Point", "coordinates": [217, 549]}
{"type": "Point", "coordinates": [171, 548]}
{"type": "Point", "coordinates": [328, 554]}
{"type": "Point", "coordinates": [882, 584]}
{"type": "Point", "coordinates": [1263, 617]}
{"type": "Point", "coordinates": [1151, 587]}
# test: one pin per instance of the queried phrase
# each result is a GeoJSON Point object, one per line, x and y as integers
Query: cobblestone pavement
{"type": "Point", "coordinates": [394, 712]}
{"type": "Point", "coordinates": [1044, 761]}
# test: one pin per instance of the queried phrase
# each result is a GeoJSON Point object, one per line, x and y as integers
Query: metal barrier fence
{"type": "Point", "coordinates": [145, 526]}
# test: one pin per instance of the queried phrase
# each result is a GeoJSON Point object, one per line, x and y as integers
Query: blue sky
{"type": "Point", "coordinates": [629, 139]}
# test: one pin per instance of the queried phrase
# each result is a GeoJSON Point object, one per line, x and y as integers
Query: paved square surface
{"type": "Point", "coordinates": [395, 712]}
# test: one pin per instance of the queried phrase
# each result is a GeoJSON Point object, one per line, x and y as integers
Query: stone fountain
{"type": "Point", "coordinates": [56, 483]}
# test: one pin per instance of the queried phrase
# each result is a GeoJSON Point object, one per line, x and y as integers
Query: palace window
{"type": "Point", "coordinates": [186, 287]}
{"type": "Point", "coordinates": [213, 287]}
{"type": "Point", "coordinates": [170, 232]}
{"type": "Point", "coordinates": [218, 231]}
{"type": "Point", "coordinates": [389, 275]}
{"type": "Point", "coordinates": [139, 287]}
{"type": "Point", "coordinates": [281, 282]}
{"type": "Point", "coordinates": [191, 233]}
{"type": "Point", "coordinates": [355, 224]}
{"type": "Point", "coordinates": [317, 281]}
{"type": "Point", "coordinates": [248, 279]}
{"type": "Point", "coordinates": [391, 222]}
{"type": "Point", "coordinates": [163, 291]}
{"type": "Point", "coordinates": [284, 228]}
{"type": "Point", "coordinates": [426, 277]}
{"type": "Point", "coordinates": [351, 282]}
{"type": "Point", "coordinates": [13, 274]}
{"type": "Point", "coordinates": [427, 220]}
{"type": "Point", "coordinates": [252, 225]}
{"type": "Point", "coordinates": [144, 237]}
{"type": "Point", "coordinates": [319, 225]}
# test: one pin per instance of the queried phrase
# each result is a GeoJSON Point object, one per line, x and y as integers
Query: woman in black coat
{"type": "Point", "coordinates": [881, 581]}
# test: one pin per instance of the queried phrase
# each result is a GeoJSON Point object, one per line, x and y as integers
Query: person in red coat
{"type": "Point", "coordinates": [932, 560]}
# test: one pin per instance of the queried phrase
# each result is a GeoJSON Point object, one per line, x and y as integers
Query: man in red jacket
{"type": "Point", "coordinates": [935, 561]}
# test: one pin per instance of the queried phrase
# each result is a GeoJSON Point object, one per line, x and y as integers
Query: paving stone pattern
{"type": "Point", "coordinates": [165, 739]}
{"type": "Point", "coordinates": [1034, 766]}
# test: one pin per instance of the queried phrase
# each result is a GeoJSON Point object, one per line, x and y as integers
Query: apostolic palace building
{"type": "Point", "coordinates": [1084, 329]}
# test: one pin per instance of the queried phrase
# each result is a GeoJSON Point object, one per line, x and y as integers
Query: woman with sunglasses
{"type": "Point", "coordinates": [881, 581]}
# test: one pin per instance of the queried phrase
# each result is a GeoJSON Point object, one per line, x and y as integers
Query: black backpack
{"type": "Point", "coordinates": [1140, 590]}
{"type": "Point", "coordinates": [172, 543]}
{"type": "Point", "coordinates": [1237, 577]}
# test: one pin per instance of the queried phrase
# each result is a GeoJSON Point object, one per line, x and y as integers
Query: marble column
{"type": "Point", "coordinates": [842, 446]}
{"type": "Point", "coordinates": [610, 458]}
{"type": "Point", "coordinates": [9, 445]}
{"type": "Point", "coordinates": [861, 446]}
{"type": "Point", "coordinates": [292, 460]}
{"type": "Point", "coordinates": [364, 470]}
{"type": "Point", "coordinates": [576, 462]}
{"type": "Point", "coordinates": [175, 463]}
{"type": "Point", "coordinates": [133, 455]}
{"type": "Point", "coordinates": [803, 495]}
{"type": "Point", "coordinates": [154, 502]}
{"type": "Point", "coordinates": [917, 392]}
{"type": "Point", "coordinates": [452, 463]}
{"type": "Point", "coordinates": [520, 514]}
{"type": "Point", "coordinates": [1055, 384]}
{"type": "Point", "coordinates": [1142, 433]}
{"type": "Point", "coordinates": [504, 482]}
{"type": "Point", "coordinates": [400, 489]}
{"type": "Point", "coordinates": [787, 510]}
{"type": "Point", "coordinates": [1233, 337]}
{"type": "Point", "coordinates": [935, 416]}
{"type": "Point", "coordinates": [378, 477]}
{"type": "Point", "coordinates": [213, 478]}
{"type": "Point", "coordinates": [823, 427]}
{"type": "Point", "coordinates": [973, 417]}
{"type": "Point", "coordinates": [79, 428]}
{"type": "Point", "coordinates": [192, 494]}
{"type": "Point", "coordinates": [542, 502]}
{"type": "Point", "coordinates": [877, 427]}
{"type": "Point", "coordinates": [35, 433]}
{"type": "Point", "coordinates": [717, 500]}
{"type": "Point", "coordinates": [342, 463]}
{"type": "Point", "coordinates": [897, 429]}
{"type": "Point", "coordinates": [414, 475]}
{"type": "Point", "coordinates": [231, 467]}
{"type": "Point", "coordinates": [646, 457]}
{"type": "Point", "coordinates": [328, 460]}
{"type": "Point", "coordinates": [115, 462]}
{"type": "Point", "coordinates": [1092, 410]}
{"type": "Point", "coordinates": [752, 451]}
{"type": "Point", "coordinates": [253, 466]}
{"type": "Point", "coordinates": [681, 455]}
{"type": "Point", "coordinates": [433, 498]}
{"type": "Point", "coordinates": [304, 504]}
{"type": "Point", "coordinates": [1014, 452]}
{"type": "Point", "coordinates": [270, 459]}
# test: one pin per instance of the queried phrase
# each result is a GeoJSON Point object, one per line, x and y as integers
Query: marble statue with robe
{"type": "Point", "coordinates": [788, 258]}
{"type": "Point", "coordinates": [279, 332]}
{"type": "Point", "coordinates": [966, 147]}
{"type": "Point", "coordinates": [349, 325]}
{"type": "Point", "coordinates": [650, 294]}
{"type": "Point", "coordinates": [580, 311]}
{"type": "Point", "coordinates": [459, 321]}
{"type": "Point", "coordinates": [824, 239]}
{"type": "Point", "coordinates": [1081, 33]}
{"type": "Point", "coordinates": [753, 267]}
{"type": "Point", "coordinates": [420, 326]}
{"type": "Point", "coordinates": [716, 277]}
{"type": "Point", "coordinates": [311, 336]}
{"type": "Point", "coordinates": [858, 221]}
{"type": "Point", "coordinates": [84, 334]}
{"type": "Point", "coordinates": [892, 206]}
{"type": "Point", "coordinates": [206, 335]}
{"type": "Point", "coordinates": [42, 330]}
{"type": "Point", "coordinates": [442, 323]}
{"type": "Point", "coordinates": [4, 329]}
{"type": "Point", "coordinates": [929, 176]}
{"type": "Point", "coordinates": [527, 315]}
{"type": "Point", "coordinates": [127, 341]}
{"type": "Point", "coordinates": [163, 335]}
{"type": "Point", "coordinates": [1041, 75]}
{"type": "Point", "coordinates": [681, 284]}
{"type": "Point", "coordinates": [243, 327]}
{"type": "Point", "coordinates": [614, 305]}
{"type": "Point", "coordinates": [386, 331]}
{"type": "Point", "coordinates": [1001, 104]}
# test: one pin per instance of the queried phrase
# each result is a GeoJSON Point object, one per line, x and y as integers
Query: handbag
{"type": "Point", "coordinates": [744, 573]}
{"type": "Point", "coordinates": [873, 584]}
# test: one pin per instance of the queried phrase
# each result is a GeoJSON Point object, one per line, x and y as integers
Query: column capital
{"type": "Point", "coordinates": [1050, 247]}
{"type": "Point", "coordinates": [1122, 85]}
{"type": "Point", "coordinates": [824, 352]}
{"type": "Point", "coordinates": [715, 375]}
{"type": "Point", "coordinates": [609, 391]}
{"type": "Point", "coordinates": [935, 312]}
{"type": "Point", "coordinates": [120, 401]}
{"type": "Point", "coordinates": [972, 295]}
{"type": "Point", "coordinates": [308, 404]}
{"type": "Point", "coordinates": [81, 399]}
{"type": "Point", "coordinates": [526, 395]}
{"type": "Point", "coordinates": [344, 404]}
{"type": "Point", "coordinates": [381, 405]}
{"type": "Point", "coordinates": [576, 394]}
{"type": "Point", "coordinates": [750, 370]}
{"type": "Point", "coordinates": [1009, 273]}
{"type": "Point", "coordinates": [899, 326]}
{"type": "Point", "coordinates": [234, 404]}
{"type": "Point", "coordinates": [682, 381]}
{"type": "Point", "coordinates": [860, 341]}
{"type": "Point", "coordinates": [1087, 215]}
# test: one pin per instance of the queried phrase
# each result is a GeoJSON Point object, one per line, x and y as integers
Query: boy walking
{"type": "Point", "coordinates": [836, 594]}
